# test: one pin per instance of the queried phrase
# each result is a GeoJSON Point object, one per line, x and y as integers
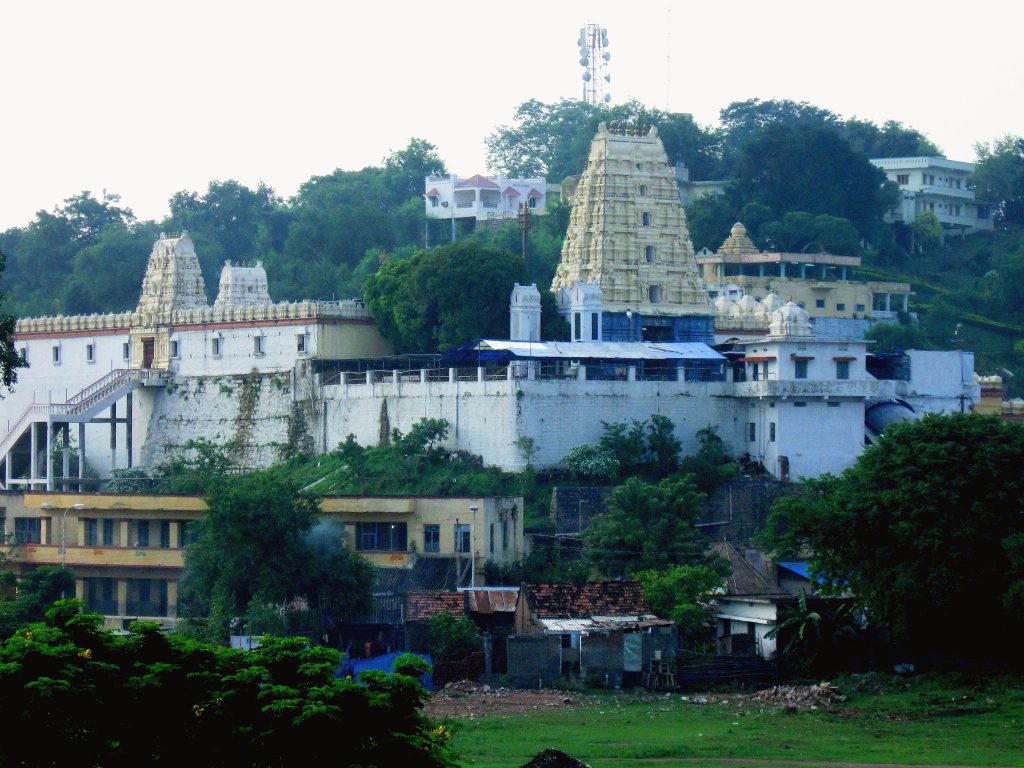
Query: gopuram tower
{"type": "Point", "coordinates": [627, 271]}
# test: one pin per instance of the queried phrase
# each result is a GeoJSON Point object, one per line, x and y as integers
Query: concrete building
{"type": "Point", "coordinates": [627, 263]}
{"type": "Point", "coordinates": [484, 198]}
{"type": "Point", "coordinates": [745, 285]}
{"type": "Point", "coordinates": [126, 550]}
{"type": "Point", "coordinates": [110, 374]}
{"type": "Point", "coordinates": [937, 185]}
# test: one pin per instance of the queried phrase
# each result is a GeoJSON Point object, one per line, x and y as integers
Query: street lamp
{"type": "Point", "coordinates": [63, 524]}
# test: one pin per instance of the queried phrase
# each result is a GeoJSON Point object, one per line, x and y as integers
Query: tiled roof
{"type": "Point", "coordinates": [433, 192]}
{"type": "Point", "coordinates": [477, 182]}
{"type": "Point", "coordinates": [421, 606]}
{"type": "Point", "coordinates": [491, 600]}
{"type": "Point", "coordinates": [595, 598]}
{"type": "Point", "coordinates": [510, 192]}
{"type": "Point", "coordinates": [534, 193]}
{"type": "Point", "coordinates": [744, 578]}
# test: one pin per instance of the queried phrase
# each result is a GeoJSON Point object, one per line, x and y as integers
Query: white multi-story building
{"type": "Point", "coordinates": [484, 198]}
{"type": "Point", "coordinates": [938, 185]}
{"type": "Point", "coordinates": [113, 375]}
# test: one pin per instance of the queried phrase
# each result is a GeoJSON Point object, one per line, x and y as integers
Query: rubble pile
{"type": "Point", "coordinates": [553, 758]}
{"type": "Point", "coordinates": [823, 695]}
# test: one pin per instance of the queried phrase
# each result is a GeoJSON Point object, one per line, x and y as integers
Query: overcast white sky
{"type": "Point", "coordinates": [148, 98]}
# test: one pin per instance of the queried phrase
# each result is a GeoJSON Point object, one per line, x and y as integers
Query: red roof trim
{"type": "Point", "coordinates": [534, 193]}
{"type": "Point", "coordinates": [761, 359]}
{"type": "Point", "coordinates": [511, 192]}
{"type": "Point", "coordinates": [433, 193]}
{"type": "Point", "coordinates": [477, 182]}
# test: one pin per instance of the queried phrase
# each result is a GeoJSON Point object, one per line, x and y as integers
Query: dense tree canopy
{"type": "Point", "coordinates": [999, 176]}
{"type": "Point", "coordinates": [259, 543]}
{"type": "Point", "coordinates": [78, 695]}
{"type": "Point", "coordinates": [647, 526]}
{"type": "Point", "coordinates": [924, 529]}
{"type": "Point", "coordinates": [438, 298]}
{"type": "Point", "coordinates": [10, 360]}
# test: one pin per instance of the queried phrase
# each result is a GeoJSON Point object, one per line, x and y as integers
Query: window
{"type": "Point", "coordinates": [142, 533]}
{"type": "Point", "coordinates": [860, 307]}
{"type": "Point", "coordinates": [108, 533]}
{"type": "Point", "coordinates": [593, 326]}
{"type": "Point", "coordinates": [833, 403]}
{"type": "Point", "coordinates": [381, 537]}
{"type": "Point", "coordinates": [433, 201]}
{"type": "Point", "coordinates": [504, 535]}
{"type": "Point", "coordinates": [842, 369]}
{"type": "Point", "coordinates": [533, 202]}
{"type": "Point", "coordinates": [300, 343]}
{"type": "Point", "coordinates": [903, 178]}
{"type": "Point", "coordinates": [24, 354]}
{"type": "Point", "coordinates": [751, 432]}
{"type": "Point", "coordinates": [649, 254]}
{"type": "Point", "coordinates": [431, 538]}
{"type": "Point", "coordinates": [771, 432]}
{"type": "Point", "coordinates": [645, 219]}
{"type": "Point", "coordinates": [215, 346]}
{"type": "Point", "coordinates": [90, 353]}
{"type": "Point", "coordinates": [800, 369]}
{"type": "Point", "coordinates": [800, 404]}
{"type": "Point", "coordinates": [91, 532]}
{"type": "Point", "coordinates": [28, 530]}
{"type": "Point", "coordinates": [56, 354]}
{"type": "Point", "coordinates": [174, 349]}
{"type": "Point", "coordinates": [146, 597]}
{"type": "Point", "coordinates": [101, 595]}
{"type": "Point", "coordinates": [643, 189]}
{"type": "Point", "coordinates": [654, 294]}
{"type": "Point", "coordinates": [819, 303]}
{"type": "Point", "coordinates": [577, 326]}
{"type": "Point", "coordinates": [462, 542]}
{"type": "Point", "coordinates": [490, 539]}
{"type": "Point", "coordinates": [840, 307]}
{"type": "Point", "coordinates": [165, 534]}
{"type": "Point", "coordinates": [258, 345]}
{"type": "Point", "coordinates": [126, 351]}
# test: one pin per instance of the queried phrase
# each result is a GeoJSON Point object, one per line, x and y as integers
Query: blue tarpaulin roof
{"type": "Point", "coordinates": [385, 663]}
{"type": "Point", "coordinates": [800, 568]}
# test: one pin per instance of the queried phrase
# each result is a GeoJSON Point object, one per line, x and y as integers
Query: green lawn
{"type": "Point", "coordinates": [921, 722]}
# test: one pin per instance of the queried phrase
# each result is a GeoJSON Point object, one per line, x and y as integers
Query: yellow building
{"type": "Point", "coordinates": [126, 550]}
{"type": "Point", "coordinates": [746, 284]}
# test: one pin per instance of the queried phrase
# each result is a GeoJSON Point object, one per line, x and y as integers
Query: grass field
{"type": "Point", "coordinates": [922, 721]}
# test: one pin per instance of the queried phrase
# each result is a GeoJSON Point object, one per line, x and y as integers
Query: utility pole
{"type": "Point", "coordinates": [524, 227]}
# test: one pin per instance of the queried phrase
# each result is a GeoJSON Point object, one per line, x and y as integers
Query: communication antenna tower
{"type": "Point", "coordinates": [594, 56]}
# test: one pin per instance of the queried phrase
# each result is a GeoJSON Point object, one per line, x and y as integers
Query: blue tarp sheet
{"type": "Point", "coordinates": [385, 663]}
{"type": "Point", "coordinates": [800, 568]}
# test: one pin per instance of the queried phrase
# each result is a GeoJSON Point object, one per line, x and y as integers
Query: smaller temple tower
{"type": "Point", "coordinates": [524, 313]}
{"type": "Point", "coordinates": [242, 286]}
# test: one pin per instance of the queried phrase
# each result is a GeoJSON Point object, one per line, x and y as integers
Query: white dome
{"type": "Point", "coordinates": [748, 305]}
{"type": "Point", "coordinates": [723, 304]}
{"type": "Point", "coordinates": [771, 302]}
{"type": "Point", "coordinates": [790, 320]}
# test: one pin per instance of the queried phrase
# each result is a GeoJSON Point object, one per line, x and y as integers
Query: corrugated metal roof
{"type": "Point", "coordinates": [491, 600]}
{"type": "Point", "coordinates": [604, 350]}
{"type": "Point", "coordinates": [567, 625]}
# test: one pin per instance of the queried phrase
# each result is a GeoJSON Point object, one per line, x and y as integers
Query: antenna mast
{"type": "Point", "coordinates": [594, 56]}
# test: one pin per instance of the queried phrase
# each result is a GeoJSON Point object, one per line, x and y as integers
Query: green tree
{"type": "Point", "coordinates": [37, 590]}
{"type": "Point", "coordinates": [253, 547]}
{"type": "Point", "coordinates": [998, 177]}
{"type": "Point", "coordinates": [916, 528]}
{"type": "Point", "coordinates": [456, 649]}
{"type": "Point", "coordinates": [10, 360]}
{"type": "Point", "coordinates": [795, 168]}
{"type": "Point", "coordinates": [75, 693]}
{"type": "Point", "coordinates": [709, 219]}
{"type": "Point", "coordinates": [927, 232]}
{"type": "Point", "coordinates": [438, 298]}
{"type": "Point", "coordinates": [897, 337]}
{"type": "Point", "coordinates": [683, 594]}
{"type": "Point", "coordinates": [647, 526]}
{"type": "Point", "coordinates": [893, 139]}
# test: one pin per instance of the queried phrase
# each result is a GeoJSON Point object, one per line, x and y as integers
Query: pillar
{"type": "Point", "coordinates": [48, 461]}
{"type": "Point", "coordinates": [80, 537]}
{"type": "Point", "coordinates": [906, 297]}
{"type": "Point", "coordinates": [888, 302]}
{"type": "Point", "coordinates": [782, 269]}
{"type": "Point", "coordinates": [44, 529]}
{"type": "Point", "coordinates": [113, 435]}
{"type": "Point", "coordinates": [172, 599]}
{"type": "Point", "coordinates": [423, 375]}
{"type": "Point", "coordinates": [34, 459]}
{"type": "Point", "coordinates": [122, 597]}
{"type": "Point", "coordinates": [480, 373]}
{"type": "Point", "coordinates": [631, 373]}
{"type": "Point", "coordinates": [394, 376]}
{"type": "Point", "coordinates": [175, 542]}
{"type": "Point", "coordinates": [122, 533]}
{"type": "Point", "coordinates": [452, 375]}
{"type": "Point", "coordinates": [81, 454]}
{"type": "Point", "coordinates": [65, 455]}
{"type": "Point", "coordinates": [581, 372]}
{"type": "Point", "coordinates": [80, 589]}
{"type": "Point", "coordinates": [128, 426]}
